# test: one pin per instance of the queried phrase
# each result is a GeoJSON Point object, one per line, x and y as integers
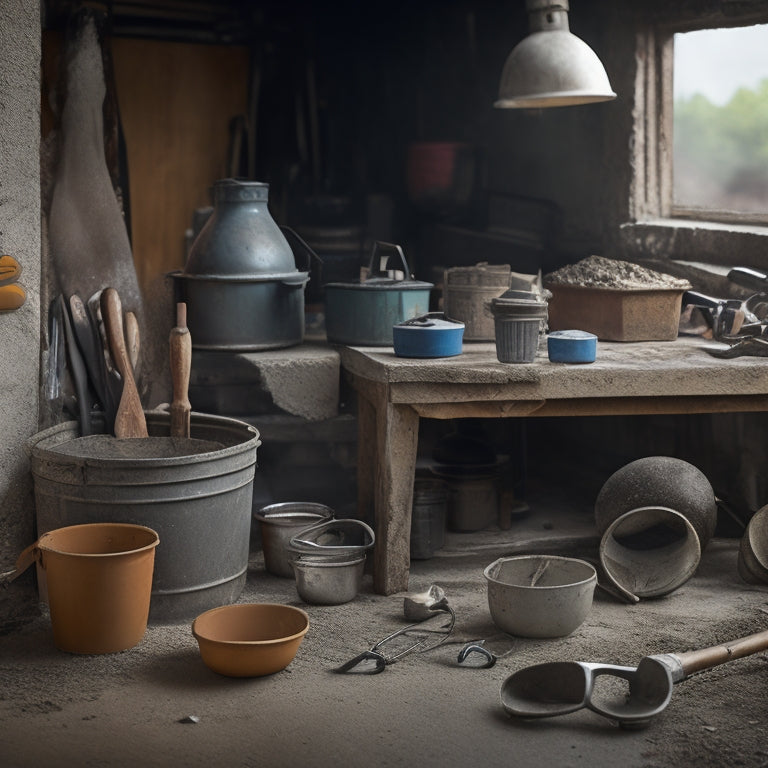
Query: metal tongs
{"type": "Point", "coordinates": [434, 623]}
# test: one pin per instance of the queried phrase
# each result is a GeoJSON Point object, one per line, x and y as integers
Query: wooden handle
{"type": "Point", "coordinates": [180, 344]}
{"type": "Point", "coordinates": [695, 661]}
{"type": "Point", "coordinates": [132, 340]}
{"type": "Point", "coordinates": [129, 420]}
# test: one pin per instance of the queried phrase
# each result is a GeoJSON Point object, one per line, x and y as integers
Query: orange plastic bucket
{"type": "Point", "coordinates": [99, 579]}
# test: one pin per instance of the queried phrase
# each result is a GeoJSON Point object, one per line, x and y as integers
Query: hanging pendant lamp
{"type": "Point", "coordinates": [551, 67]}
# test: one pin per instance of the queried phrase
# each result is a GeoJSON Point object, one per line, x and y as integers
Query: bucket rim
{"type": "Point", "coordinates": [289, 513]}
{"type": "Point", "coordinates": [490, 573]}
{"type": "Point", "coordinates": [40, 544]}
{"type": "Point", "coordinates": [37, 447]}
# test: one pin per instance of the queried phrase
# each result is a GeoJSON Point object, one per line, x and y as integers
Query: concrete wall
{"type": "Point", "coordinates": [20, 237]}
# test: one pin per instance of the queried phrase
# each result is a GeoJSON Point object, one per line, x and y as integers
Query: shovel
{"type": "Point", "coordinates": [561, 687]}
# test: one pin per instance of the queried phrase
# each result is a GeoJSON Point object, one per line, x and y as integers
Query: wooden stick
{"type": "Point", "coordinates": [180, 343]}
{"type": "Point", "coordinates": [695, 661]}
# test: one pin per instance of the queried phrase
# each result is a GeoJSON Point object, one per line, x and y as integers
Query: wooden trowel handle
{"type": "Point", "coordinates": [180, 344]}
{"type": "Point", "coordinates": [695, 661]}
{"type": "Point", "coordinates": [129, 420]}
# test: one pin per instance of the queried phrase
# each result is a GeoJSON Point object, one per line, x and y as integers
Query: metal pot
{"type": "Point", "coordinates": [241, 285]}
{"type": "Point", "coordinates": [364, 313]}
{"type": "Point", "coordinates": [328, 580]}
{"type": "Point", "coordinates": [279, 522]}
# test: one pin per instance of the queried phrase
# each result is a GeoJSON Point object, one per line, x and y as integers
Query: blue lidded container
{"type": "Point", "coordinates": [430, 335]}
{"type": "Point", "coordinates": [571, 347]}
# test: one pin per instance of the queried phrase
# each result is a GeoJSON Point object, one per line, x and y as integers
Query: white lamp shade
{"type": "Point", "coordinates": [552, 69]}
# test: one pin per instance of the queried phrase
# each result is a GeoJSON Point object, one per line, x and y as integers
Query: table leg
{"type": "Point", "coordinates": [366, 461]}
{"type": "Point", "coordinates": [388, 436]}
{"type": "Point", "coordinates": [397, 435]}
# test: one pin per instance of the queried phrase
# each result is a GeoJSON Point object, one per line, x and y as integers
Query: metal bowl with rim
{"type": "Point", "coordinates": [344, 536]}
{"type": "Point", "coordinates": [328, 579]}
{"type": "Point", "coordinates": [540, 595]}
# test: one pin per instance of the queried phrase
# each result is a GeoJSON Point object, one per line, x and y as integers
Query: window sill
{"type": "Point", "coordinates": [701, 241]}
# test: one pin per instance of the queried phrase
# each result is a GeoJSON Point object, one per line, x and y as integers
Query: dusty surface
{"type": "Point", "coordinates": [600, 272]}
{"type": "Point", "coordinates": [126, 709]}
{"type": "Point", "coordinates": [675, 368]}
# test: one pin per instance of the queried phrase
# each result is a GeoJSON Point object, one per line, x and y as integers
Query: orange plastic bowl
{"type": "Point", "coordinates": [251, 639]}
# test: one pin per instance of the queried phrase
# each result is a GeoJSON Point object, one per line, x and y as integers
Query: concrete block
{"type": "Point", "coordinates": [300, 381]}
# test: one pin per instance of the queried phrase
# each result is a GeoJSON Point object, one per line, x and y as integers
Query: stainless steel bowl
{"type": "Point", "coordinates": [328, 580]}
{"type": "Point", "coordinates": [344, 536]}
{"type": "Point", "coordinates": [279, 522]}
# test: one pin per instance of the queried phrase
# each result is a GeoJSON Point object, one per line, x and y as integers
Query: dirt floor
{"type": "Point", "coordinates": [135, 708]}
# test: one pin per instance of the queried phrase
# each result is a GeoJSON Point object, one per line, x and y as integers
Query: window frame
{"type": "Point", "coordinates": [656, 225]}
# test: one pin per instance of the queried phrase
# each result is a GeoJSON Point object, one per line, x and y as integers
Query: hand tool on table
{"type": "Point", "coordinates": [561, 687]}
{"type": "Point", "coordinates": [180, 344]}
{"type": "Point", "coordinates": [77, 369]}
{"type": "Point", "coordinates": [129, 418]}
{"type": "Point", "coordinates": [750, 346]}
{"type": "Point", "coordinates": [724, 316]}
{"type": "Point", "coordinates": [757, 304]}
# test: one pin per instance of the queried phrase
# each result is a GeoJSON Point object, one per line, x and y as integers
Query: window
{"type": "Point", "coordinates": [676, 155]}
{"type": "Point", "coordinates": [720, 124]}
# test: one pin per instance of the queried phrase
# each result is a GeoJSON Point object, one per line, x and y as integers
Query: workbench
{"type": "Point", "coordinates": [668, 377]}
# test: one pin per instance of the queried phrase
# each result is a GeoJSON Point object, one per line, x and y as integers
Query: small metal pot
{"type": "Point", "coordinates": [364, 313]}
{"type": "Point", "coordinates": [279, 522]}
{"type": "Point", "coordinates": [328, 580]}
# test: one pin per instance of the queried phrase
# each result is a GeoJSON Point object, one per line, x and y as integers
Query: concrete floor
{"type": "Point", "coordinates": [128, 709]}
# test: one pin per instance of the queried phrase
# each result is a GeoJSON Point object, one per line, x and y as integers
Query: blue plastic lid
{"type": "Point", "coordinates": [572, 335]}
{"type": "Point", "coordinates": [436, 320]}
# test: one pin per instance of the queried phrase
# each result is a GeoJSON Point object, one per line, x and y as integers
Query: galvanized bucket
{"type": "Point", "coordinates": [200, 505]}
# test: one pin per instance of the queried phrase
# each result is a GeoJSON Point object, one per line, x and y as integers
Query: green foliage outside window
{"type": "Point", "coordinates": [721, 152]}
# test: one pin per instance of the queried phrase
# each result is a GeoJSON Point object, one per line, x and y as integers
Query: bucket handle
{"type": "Point", "coordinates": [27, 557]}
{"type": "Point", "coordinates": [295, 239]}
{"type": "Point", "coordinates": [395, 252]}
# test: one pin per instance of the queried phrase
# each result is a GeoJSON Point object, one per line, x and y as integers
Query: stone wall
{"type": "Point", "coordinates": [20, 237]}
